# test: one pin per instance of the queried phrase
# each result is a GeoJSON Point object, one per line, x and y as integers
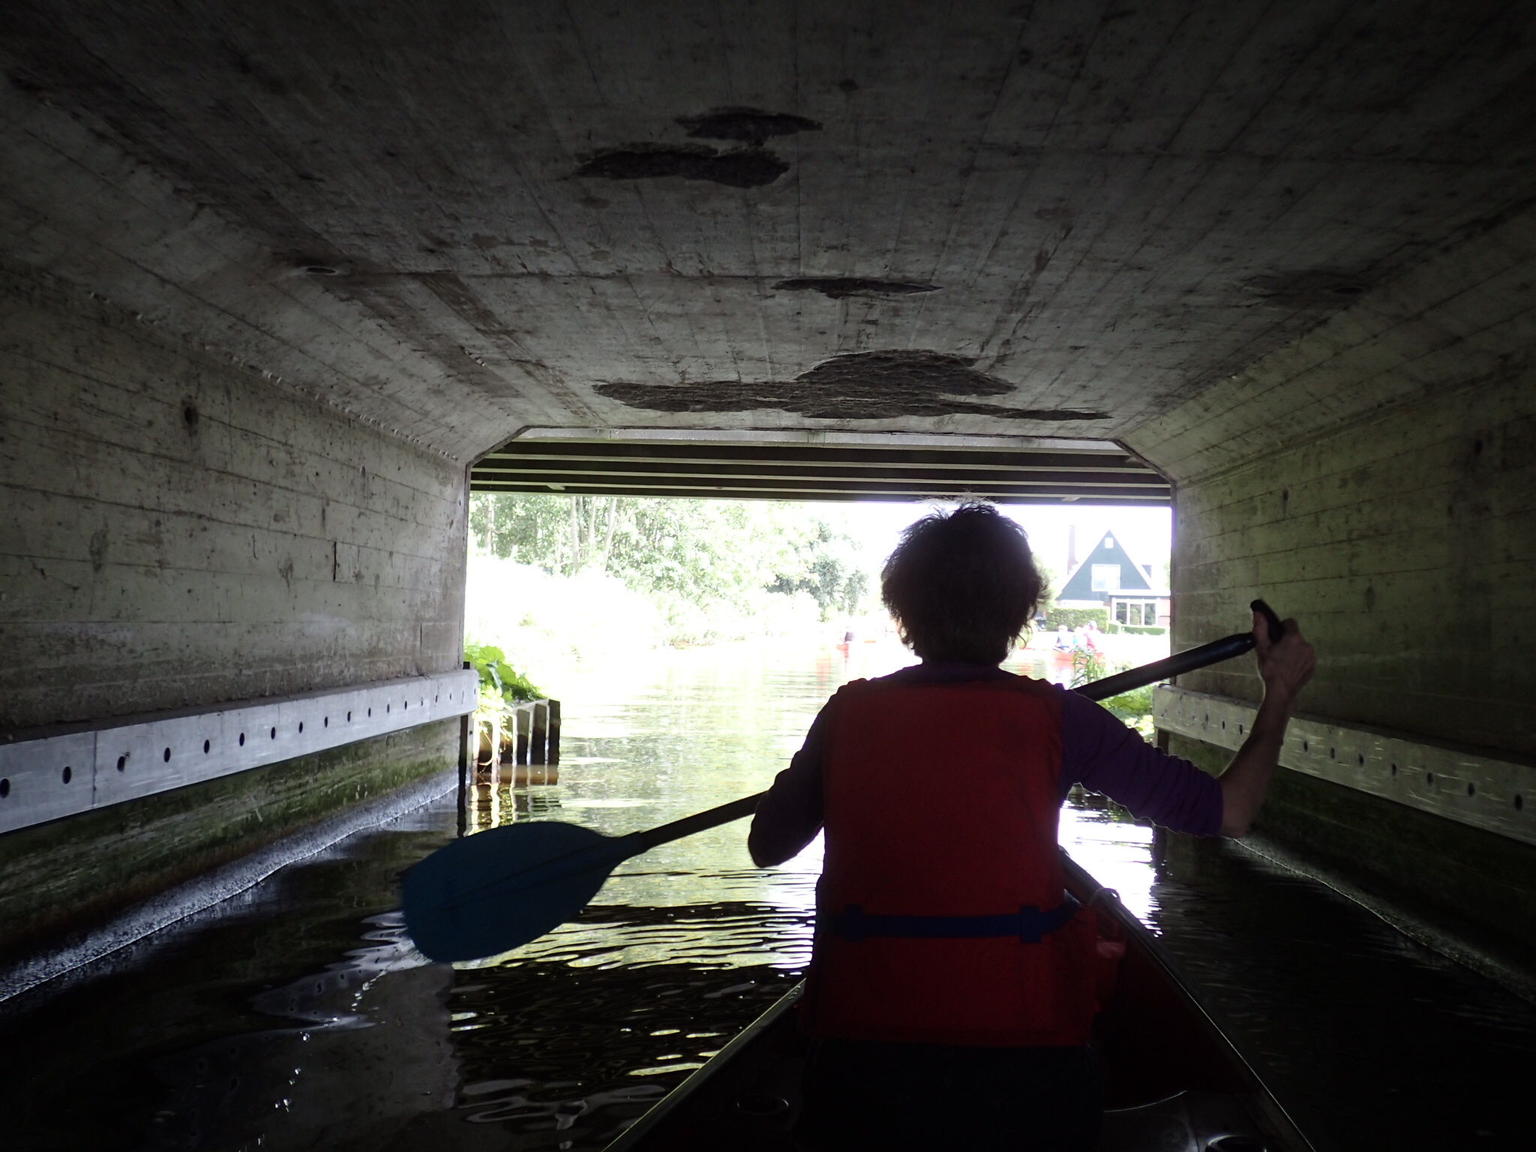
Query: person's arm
{"type": "Point", "coordinates": [789, 814]}
{"type": "Point", "coordinates": [1105, 756]}
{"type": "Point", "coordinates": [1285, 666]}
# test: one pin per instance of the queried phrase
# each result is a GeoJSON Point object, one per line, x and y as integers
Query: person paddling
{"type": "Point", "coordinates": [950, 993]}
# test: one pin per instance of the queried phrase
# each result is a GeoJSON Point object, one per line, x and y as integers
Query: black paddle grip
{"type": "Point", "coordinates": [1271, 618]}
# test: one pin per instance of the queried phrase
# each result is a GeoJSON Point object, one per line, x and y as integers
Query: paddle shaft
{"type": "Point", "coordinates": [1213, 653]}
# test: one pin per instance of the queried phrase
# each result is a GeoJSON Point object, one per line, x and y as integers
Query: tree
{"type": "Point", "coordinates": [827, 566]}
{"type": "Point", "coordinates": [705, 550]}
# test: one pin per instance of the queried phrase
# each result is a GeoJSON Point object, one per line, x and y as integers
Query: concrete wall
{"type": "Point", "coordinates": [1376, 480]}
{"type": "Point", "coordinates": [181, 531]}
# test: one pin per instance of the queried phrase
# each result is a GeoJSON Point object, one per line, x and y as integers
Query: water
{"type": "Point", "coordinates": [297, 1016]}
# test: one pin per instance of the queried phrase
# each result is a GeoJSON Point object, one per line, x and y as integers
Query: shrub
{"type": "Point", "coordinates": [497, 676]}
{"type": "Point", "coordinates": [1132, 705]}
{"type": "Point", "coordinates": [1059, 617]}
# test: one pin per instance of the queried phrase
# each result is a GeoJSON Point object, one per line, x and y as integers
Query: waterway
{"type": "Point", "coordinates": [297, 1015]}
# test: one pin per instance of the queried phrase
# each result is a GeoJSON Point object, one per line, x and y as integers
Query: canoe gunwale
{"type": "Point", "coordinates": [696, 1080]}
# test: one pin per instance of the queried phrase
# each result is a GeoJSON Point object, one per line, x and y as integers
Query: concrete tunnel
{"type": "Point", "coordinates": [283, 282]}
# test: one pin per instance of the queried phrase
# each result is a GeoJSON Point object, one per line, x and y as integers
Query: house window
{"type": "Point", "coordinates": [1136, 613]}
{"type": "Point", "coordinates": [1106, 577]}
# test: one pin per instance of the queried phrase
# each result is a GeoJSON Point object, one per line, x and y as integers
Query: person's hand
{"type": "Point", "coordinates": [1285, 665]}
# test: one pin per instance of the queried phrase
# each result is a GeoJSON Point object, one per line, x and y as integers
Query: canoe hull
{"type": "Point", "coordinates": [1173, 1081]}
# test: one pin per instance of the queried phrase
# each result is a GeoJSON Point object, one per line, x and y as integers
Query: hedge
{"type": "Point", "coordinates": [1059, 617]}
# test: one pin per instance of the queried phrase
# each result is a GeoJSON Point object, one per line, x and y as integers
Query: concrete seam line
{"type": "Point", "coordinates": [1475, 787]}
{"type": "Point", "coordinates": [51, 775]}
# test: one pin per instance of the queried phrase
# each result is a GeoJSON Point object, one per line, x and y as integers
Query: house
{"type": "Point", "coordinates": [1109, 577]}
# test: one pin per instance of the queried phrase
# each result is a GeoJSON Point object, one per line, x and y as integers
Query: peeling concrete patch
{"type": "Point", "coordinates": [742, 168]}
{"type": "Point", "coordinates": [838, 287]}
{"type": "Point", "coordinates": [748, 125]}
{"type": "Point", "coordinates": [859, 386]}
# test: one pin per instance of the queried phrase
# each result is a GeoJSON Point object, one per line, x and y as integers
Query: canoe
{"type": "Point", "coordinates": [1174, 1082]}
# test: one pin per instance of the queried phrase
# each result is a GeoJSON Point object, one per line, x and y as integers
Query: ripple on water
{"type": "Point", "coordinates": [299, 1018]}
{"type": "Point", "coordinates": [556, 1035]}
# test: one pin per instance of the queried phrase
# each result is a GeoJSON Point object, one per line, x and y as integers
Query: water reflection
{"type": "Point", "coordinates": [298, 1017]}
{"type": "Point", "coordinates": [685, 944]}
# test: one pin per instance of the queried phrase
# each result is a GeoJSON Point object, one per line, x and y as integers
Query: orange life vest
{"type": "Point", "coordinates": [940, 910]}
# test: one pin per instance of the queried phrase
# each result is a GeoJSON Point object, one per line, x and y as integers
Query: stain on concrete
{"type": "Point", "coordinates": [750, 126]}
{"type": "Point", "coordinates": [839, 287]}
{"type": "Point", "coordinates": [740, 168]}
{"type": "Point", "coordinates": [858, 386]}
{"type": "Point", "coordinates": [257, 71]}
{"type": "Point", "coordinates": [1317, 287]}
{"type": "Point", "coordinates": [98, 549]}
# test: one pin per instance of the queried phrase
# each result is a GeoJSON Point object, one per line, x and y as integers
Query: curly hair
{"type": "Point", "coordinates": [962, 585]}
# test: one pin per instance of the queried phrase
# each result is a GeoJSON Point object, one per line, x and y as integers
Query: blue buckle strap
{"type": "Point", "coordinates": [1029, 924]}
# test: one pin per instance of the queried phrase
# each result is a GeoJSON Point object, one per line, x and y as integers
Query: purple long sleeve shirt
{"type": "Point", "coordinates": [1097, 751]}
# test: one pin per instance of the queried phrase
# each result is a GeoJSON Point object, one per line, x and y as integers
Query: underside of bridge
{"type": "Point", "coordinates": [281, 280]}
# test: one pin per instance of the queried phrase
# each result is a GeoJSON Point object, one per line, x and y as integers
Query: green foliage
{"type": "Point", "coordinates": [1134, 707]}
{"type": "Point", "coordinates": [702, 551]}
{"type": "Point", "coordinates": [1139, 629]}
{"type": "Point", "coordinates": [826, 566]}
{"type": "Point", "coordinates": [1059, 617]}
{"type": "Point", "coordinates": [497, 676]}
{"type": "Point", "coordinates": [1087, 666]}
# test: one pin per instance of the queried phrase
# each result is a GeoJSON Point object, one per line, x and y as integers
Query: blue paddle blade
{"type": "Point", "coordinates": [491, 892]}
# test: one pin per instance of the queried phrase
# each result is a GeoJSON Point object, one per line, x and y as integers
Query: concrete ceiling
{"type": "Point", "coordinates": [984, 224]}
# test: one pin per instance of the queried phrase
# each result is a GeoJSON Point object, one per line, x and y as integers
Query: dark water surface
{"type": "Point", "coordinates": [297, 1016]}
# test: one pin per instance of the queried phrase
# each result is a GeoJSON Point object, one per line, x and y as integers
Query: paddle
{"type": "Point", "coordinates": [488, 893]}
